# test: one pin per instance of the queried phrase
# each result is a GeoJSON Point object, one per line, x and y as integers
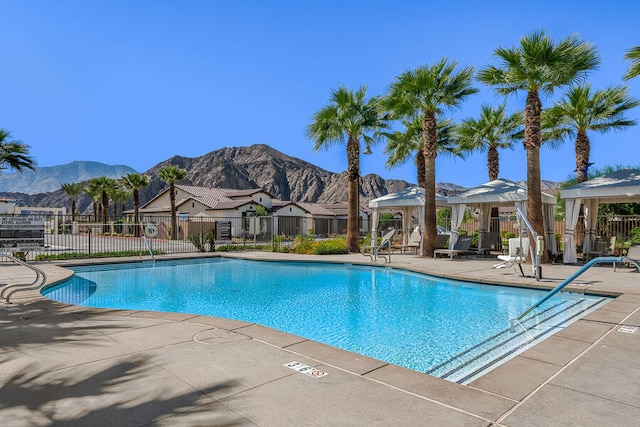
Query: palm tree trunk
{"type": "Point", "coordinates": [430, 146]}
{"type": "Point", "coordinates": [105, 209]}
{"type": "Point", "coordinates": [493, 162]}
{"type": "Point", "coordinates": [420, 166]}
{"type": "Point", "coordinates": [583, 148]}
{"type": "Point", "coordinates": [532, 137]}
{"type": "Point", "coordinates": [174, 219]}
{"type": "Point", "coordinates": [353, 176]}
{"type": "Point", "coordinates": [136, 217]}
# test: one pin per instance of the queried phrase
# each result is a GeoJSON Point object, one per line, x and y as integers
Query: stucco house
{"type": "Point", "coordinates": [200, 207]}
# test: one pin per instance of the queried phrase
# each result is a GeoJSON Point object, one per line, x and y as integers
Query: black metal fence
{"type": "Point", "coordinates": [87, 237]}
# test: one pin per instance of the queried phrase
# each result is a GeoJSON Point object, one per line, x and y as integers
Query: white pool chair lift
{"type": "Point", "coordinates": [517, 254]}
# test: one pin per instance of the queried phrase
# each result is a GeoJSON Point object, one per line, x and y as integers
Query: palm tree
{"type": "Point", "coordinates": [538, 65]}
{"type": "Point", "coordinates": [425, 92]}
{"type": "Point", "coordinates": [349, 116]}
{"type": "Point", "coordinates": [402, 146]}
{"type": "Point", "coordinates": [73, 190]}
{"type": "Point", "coordinates": [136, 182]}
{"type": "Point", "coordinates": [94, 193]}
{"type": "Point", "coordinates": [103, 186]}
{"type": "Point", "coordinates": [172, 174]}
{"type": "Point", "coordinates": [582, 110]}
{"type": "Point", "coordinates": [14, 154]}
{"type": "Point", "coordinates": [633, 55]}
{"type": "Point", "coordinates": [493, 130]}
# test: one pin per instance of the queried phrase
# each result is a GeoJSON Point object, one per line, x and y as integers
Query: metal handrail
{"type": "Point", "coordinates": [38, 282]}
{"type": "Point", "coordinates": [570, 279]}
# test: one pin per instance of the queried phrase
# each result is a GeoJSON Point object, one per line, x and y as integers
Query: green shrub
{"type": "Point", "coordinates": [82, 255]}
{"type": "Point", "coordinates": [330, 247]}
{"type": "Point", "coordinates": [303, 244]}
{"type": "Point", "coordinates": [634, 235]}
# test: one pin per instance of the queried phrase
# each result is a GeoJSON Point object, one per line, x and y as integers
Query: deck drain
{"type": "Point", "coordinates": [627, 329]}
{"type": "Point", "coordinates": [218, 336]}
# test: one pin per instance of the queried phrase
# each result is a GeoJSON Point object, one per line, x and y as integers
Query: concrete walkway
{"type": "Point", "coordinates": [68, 365]}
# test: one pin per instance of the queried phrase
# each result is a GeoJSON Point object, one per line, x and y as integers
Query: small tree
{"type": "Point", "coordinates": [172, 174]}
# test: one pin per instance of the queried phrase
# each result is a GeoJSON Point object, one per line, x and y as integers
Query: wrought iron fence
{"type": "Point", "coordinates": [88, 237]}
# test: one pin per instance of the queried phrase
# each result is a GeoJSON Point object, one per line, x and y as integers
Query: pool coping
{"type": "Point", "coordinates": [496, 397]}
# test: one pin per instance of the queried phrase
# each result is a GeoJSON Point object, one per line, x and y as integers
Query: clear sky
{"type": "Point", "coordinates": [137, 82]}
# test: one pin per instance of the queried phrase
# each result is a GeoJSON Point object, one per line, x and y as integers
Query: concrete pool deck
{"type": "Point", "coordinates": [69, 365]}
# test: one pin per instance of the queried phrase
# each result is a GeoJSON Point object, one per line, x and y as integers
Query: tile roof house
{"type": "Point", "coordinates": [290, 218]}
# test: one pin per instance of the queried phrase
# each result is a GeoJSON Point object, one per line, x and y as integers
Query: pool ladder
{"type": "Point", "coordinates": [38, 282]}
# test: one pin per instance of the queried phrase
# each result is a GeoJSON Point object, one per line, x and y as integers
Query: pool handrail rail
{"type": "Point", "coordinates": [38, 282]}
{"type": "Point", "coordinates": [571, 278]}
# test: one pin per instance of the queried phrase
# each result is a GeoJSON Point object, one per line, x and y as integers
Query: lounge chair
{"type": "Point", "coordinates": [414, 242]}
{"type": "Point", "coordinates": [442, 240]}
{"type": "Point", "coordinates": [490, 241]}
{"type": "Point", "coordinates": [460, 248]}
{"type": "Point", "coordinates": [603, 246]}
{"type": "Point", "coordinates": [518, 249]}
{"type": "Point", "coordinates": [373, 250]}
{"type": "Point", "coordinates": [633, 254]}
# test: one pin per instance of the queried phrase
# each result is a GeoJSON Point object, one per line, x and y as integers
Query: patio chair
{"type": "Point", "coordinates": [413, 244]}
{"type": "Point", "coordinates": [518, 248]}
{"type": "Point", "coordinates": [603, 246]}
{"type": "Point", "coordinates": [460, 248]}
{"type": "Point", "coordinates": [633, 257]}
{"type": "Point", "coordinates": [373, 250]}
{"type": "Point", "coordinates": [442, 240]}
{"type": "Point", "coordinates": [491, 241]}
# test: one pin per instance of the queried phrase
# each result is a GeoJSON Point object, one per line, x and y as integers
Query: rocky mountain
{"type": "Point", "coordinates": [48, 179]}
{"type": "Point", "coordinates": [256, 166]}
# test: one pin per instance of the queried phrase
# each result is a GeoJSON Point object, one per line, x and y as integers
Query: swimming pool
{"type": "Point", "coordinates": [438, 326]}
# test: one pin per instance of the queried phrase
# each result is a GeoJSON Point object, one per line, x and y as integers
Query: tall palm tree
{"type": "Point", "coordinates": [172, 174]}
{"type": "Point", "coordinates": [73, 190]}
{"type": "Point", "coordinates": [349, 116]}
{"type": "Point", "coordinates": [103, 186]}
{"type": "Point", "coordinates": [582, 110]}
{"type": "Point", "coordinates": [425, 93]}
{"type": "Point", "coordinates": [402, 146]}
{"type": "Point", "coordinates": [633, 55]}
{"type": "Point", "coordinates": [14, 153]}
{"type": "Point", "coordinates": [136, 182]}
{"type": "Point", "coordinates": [94, 193]}
{"type": "Point", "coordinates": [493, 130]}
{"type": "Point", "coordinates": [538, 65]}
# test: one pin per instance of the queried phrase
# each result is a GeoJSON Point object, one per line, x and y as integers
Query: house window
{"type": "Point", "coordinates": [193, 204]}
{"type": "Point", "coordinates": [290, 210]}
{"type": "Point", "coordinates": [260, 199]}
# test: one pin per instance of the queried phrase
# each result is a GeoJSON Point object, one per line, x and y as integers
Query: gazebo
{"type": "Point", "coordinates": [496, 193]}
{"type": "Point", "coordinates": [622, 186]}
{"type": "Point", "coordinates": [409, 199]}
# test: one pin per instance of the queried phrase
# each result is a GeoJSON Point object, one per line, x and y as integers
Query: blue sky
{"type": "Point", "coordinates": [137, 82]}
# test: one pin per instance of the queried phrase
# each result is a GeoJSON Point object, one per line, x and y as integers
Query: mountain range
{"type": "Point", "coordinates": [255, 166]}
{"type": "Point", "coordinates": [47, 179]}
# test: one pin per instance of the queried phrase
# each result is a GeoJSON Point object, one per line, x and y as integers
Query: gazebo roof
{"type": "Point", "coordinates": [499, 192]}
{"type": "Point", "coordinates": [622, 186]}
{"type": "Point", "coordinates": [410, 196]}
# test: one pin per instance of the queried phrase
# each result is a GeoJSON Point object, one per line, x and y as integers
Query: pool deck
{"type": "Point", "coordinates": [69, 365]}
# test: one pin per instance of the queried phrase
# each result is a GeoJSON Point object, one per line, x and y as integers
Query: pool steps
{"type": "Point", "coordinates": [484, 356]}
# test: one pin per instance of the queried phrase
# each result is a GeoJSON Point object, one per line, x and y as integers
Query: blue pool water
{"type": "Point", "coordinates": [412, 320]}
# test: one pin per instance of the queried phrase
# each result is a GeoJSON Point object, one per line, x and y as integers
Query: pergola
{"type": "Point", "coordinates": [407, 200]}
{"type": "Point", "coordinates": [622, 186]}
{"type": "Point", "coordinates": [496, 193]}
